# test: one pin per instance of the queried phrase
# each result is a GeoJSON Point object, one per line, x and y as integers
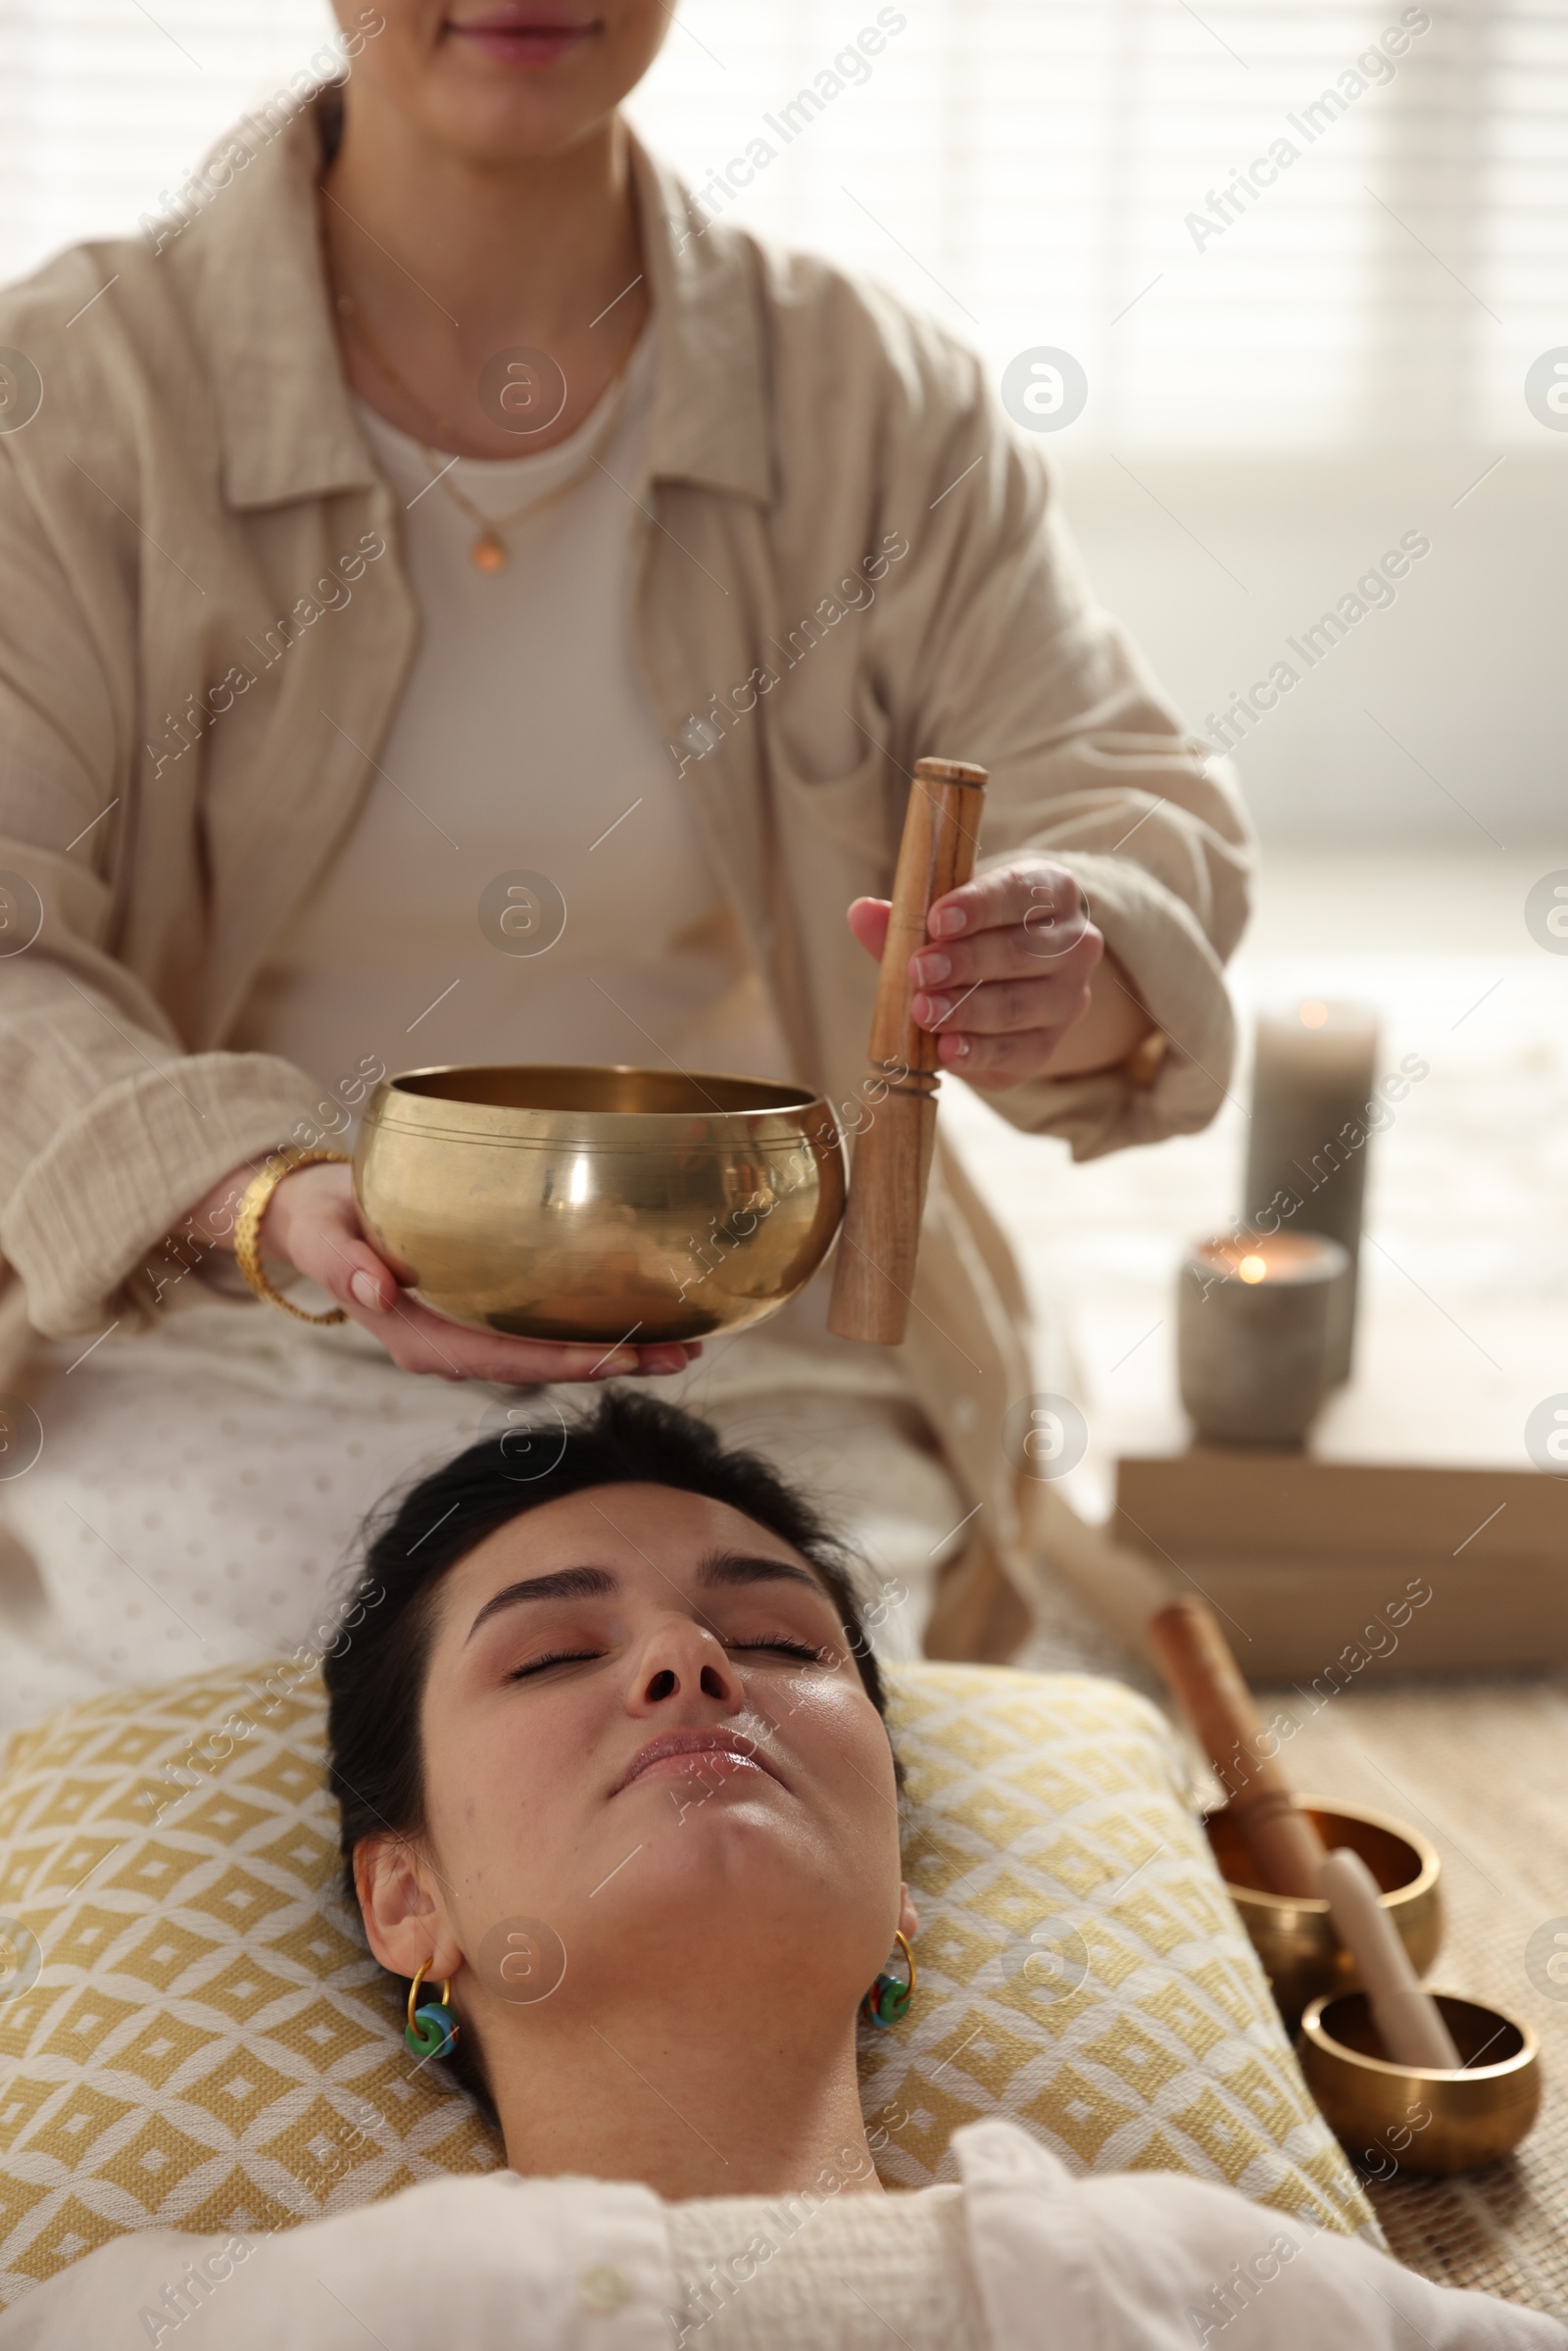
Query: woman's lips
{"type": "Point", "coordinates": [695, 1756]}
{"type": "Point", "coordinates": [521, 41]}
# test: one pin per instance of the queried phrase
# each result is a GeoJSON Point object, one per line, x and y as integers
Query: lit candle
{"type": "Point", "coordinates": [1311, 1083]}
{"type": "Point", "coordinates": [1252, 1334]}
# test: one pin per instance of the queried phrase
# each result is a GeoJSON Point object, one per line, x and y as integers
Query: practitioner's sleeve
{"type": "Point", "coordinates": [995, 643]}
{"type": "Point", "coordinates": [112, 1129]}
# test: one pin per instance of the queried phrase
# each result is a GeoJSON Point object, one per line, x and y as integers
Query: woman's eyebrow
{"type": "Point", "coordinates": [563, 1584]}
{"type": "Point", "coordinates": [753, 1567]}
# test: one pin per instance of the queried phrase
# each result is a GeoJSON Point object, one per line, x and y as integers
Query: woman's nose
{"type": "Point", "coordinates": [684, 1660]}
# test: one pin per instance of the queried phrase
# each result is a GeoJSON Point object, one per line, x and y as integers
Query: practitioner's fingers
{"type": "Point", "coordinates": [313, 1222]}
{"type": "Point", "coordinates": [1031, 892]}
{"type": "Point", "coordinates": [1021, 951]}
{"type": "Point", "coordinates": [1005, 973]}
{"type": "Point", "coordinates": [420, 1341]}
{"type": "Point", "coordinates": [1003, 1008]}
{"type": "Point", "coordinates": [995, 1062]}
{"type": "Point", "coordinates": [669, 1354]}
{"type": "Point", "coordinates": [868, 919]}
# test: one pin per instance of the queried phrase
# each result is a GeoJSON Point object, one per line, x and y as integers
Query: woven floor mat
{"type": "Point", "coordinates": [1478, 1769]}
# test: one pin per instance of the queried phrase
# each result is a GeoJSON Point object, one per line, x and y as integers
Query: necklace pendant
{"type": "Point", "coordinates": [488, 553]}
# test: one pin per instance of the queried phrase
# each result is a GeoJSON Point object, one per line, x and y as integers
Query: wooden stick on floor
{"type": "Point", "coordinates": [878, 1248]}
{"type": "Point", "coordinates": [1197, 1661]}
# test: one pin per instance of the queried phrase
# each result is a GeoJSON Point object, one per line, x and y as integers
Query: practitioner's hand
{"type": "Point", "coordinates": [1015, 982]}
{"type": "Point", "coordinates": [313, 1224]}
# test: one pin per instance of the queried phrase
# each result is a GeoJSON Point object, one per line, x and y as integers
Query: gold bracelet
{"type": "Point", "coordinates": [253, 1206]}
{"type": "Point", "coordinates": [1145, 1062]}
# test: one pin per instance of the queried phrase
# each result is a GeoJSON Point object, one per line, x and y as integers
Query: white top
{"type": "Point", "coordinates": [524, 744]}
{"type": "Point", "coordinates": [850, 2272]}
{"type": "Point", "coordinates": [1039, 2261]}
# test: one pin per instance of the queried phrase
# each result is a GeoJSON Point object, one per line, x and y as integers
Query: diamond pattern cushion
{"type": "Point", "coordinates": [193, 2035]}
{"type": "Point", "coordinates": [1082, 1969]}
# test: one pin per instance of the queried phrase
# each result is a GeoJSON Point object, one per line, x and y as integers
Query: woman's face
{"type": "Point", "coordinates": [644, 1732]}
{"type": "Point", "coordinates": [502, 81]}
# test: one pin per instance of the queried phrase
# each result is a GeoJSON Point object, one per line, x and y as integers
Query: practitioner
{"type": "Point", "coordinates": [461, 603]}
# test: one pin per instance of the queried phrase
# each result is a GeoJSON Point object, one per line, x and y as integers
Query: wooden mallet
{"type": "Point", "coordinates": [879, 1244]}
{"type": "Point", "coordinates": [1283, 1838]}
{"type": "Point", "coordinates": [1197, 1661]}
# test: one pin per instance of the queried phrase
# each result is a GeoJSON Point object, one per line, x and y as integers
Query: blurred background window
{"type": "Point", "coordinates": [1035, 171]}
{"type": "Point", "coordinates": [1305, 254]}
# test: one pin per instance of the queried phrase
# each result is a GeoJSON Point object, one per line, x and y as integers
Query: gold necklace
{"type": "Point", "coordinates": [487, 551]}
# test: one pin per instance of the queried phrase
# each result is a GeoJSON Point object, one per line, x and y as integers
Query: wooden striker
{"type": "Point", "coordinates": [1197, 1661]}
{"type": "Point", "coordinates": [873, 1274]}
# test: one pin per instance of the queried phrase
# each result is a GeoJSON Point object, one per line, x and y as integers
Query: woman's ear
{"type": "Point", "coordinates": [908, 1916]}
{"type": "Point", "coordinates": [405, 1924]}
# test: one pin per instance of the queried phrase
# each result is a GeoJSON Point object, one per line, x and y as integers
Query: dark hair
{"type": "Point", "coordinates": [375, 1670]}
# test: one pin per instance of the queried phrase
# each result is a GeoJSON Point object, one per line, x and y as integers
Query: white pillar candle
{"type": "Point", "coordinates": [1313, 1077]}
{"type": "Point", "coordinates": [1252, 1334]}
{"type": "Point", "coordinates": [1408, 2020]}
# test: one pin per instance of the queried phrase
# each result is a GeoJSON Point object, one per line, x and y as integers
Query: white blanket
{"type": "Point", "coordinates": [1147, 2262]}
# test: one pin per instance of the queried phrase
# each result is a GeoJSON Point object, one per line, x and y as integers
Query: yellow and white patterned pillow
{"type": "Point", "coordinates": [1082, 1970]}
{"type": "Point", "coordinates": [194, 2035]}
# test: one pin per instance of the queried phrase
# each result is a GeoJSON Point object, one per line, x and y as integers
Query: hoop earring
{"type": "Point", "coordinates": [431, 2029]}
{"type": "Point", "coordinates": [888, 2001]}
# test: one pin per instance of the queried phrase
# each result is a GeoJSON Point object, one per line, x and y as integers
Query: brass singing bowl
{"type": "Point", "coordinates": [1302, 1957]}
{"type": "Point", "coordinates": [1421, 2118]}
{"type": "Point", "coordinates": [599, 1205]}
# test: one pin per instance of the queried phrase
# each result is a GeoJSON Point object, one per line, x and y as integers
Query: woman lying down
{"type": "Point", "coordinates": [615, 1713]}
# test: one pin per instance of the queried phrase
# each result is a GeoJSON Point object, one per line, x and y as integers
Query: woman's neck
{"type": "Point", "coordinates": [447, 262]}
{"type": "Point", "coordinates": [694, 2111]}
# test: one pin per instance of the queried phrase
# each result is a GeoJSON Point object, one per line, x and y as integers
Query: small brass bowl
{"type": "Point", "coordinates": [1418, 2117]}
{"type": "Point", "coordinates": [1302, 1957]}
{"type": "Point", "coordinates": [599, 1205]}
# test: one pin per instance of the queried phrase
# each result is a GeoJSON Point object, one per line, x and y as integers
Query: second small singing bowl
{"type": "Point", "coordinates": [1394, 2118]}
{"type": "Point", "coordinates": [599, 1205]}
{"type": "Point", "coordinates": [1303, 1956]}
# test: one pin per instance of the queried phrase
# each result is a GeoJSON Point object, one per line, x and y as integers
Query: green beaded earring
{"type": "Point", "coordinates": [888, 2001]}
{"type": "Point", "coordinates": [431, 2029]}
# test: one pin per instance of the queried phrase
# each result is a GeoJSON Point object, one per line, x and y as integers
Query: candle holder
{"type": "Point", "coordinates": [1253, 1334]}
{"type": "Point", "coordinates": [1312, 1124]}
{"type": "Point", "coordinates": [1420, 2117]}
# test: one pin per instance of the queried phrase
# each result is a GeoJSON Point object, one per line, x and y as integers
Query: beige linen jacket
{"type": "Point", "coordinates": [843, 559]}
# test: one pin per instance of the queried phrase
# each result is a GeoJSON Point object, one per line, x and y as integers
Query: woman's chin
{"type": "Point", "coordinates": [736, 1857]}
{"type": "Point", "coordinates": [730, 1828]}
{"type": "Point", "coordinates": [490, 115]}
{"type": "Point", "coordinates": [498, 127]}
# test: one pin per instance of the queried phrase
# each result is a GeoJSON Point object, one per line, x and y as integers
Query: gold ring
{"type": "Point", "coordinates": [248, 1227]}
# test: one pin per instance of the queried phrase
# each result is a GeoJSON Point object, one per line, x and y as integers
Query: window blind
{"type": "Point", "coordinates": [1255, 224]}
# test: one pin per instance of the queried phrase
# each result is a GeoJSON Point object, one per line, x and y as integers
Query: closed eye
{"type": "Point", "coordinates": [804, 1651]}
{"type": "Point", "coordinates": [539, 1665]}
{"type": "Point", "coordinates": [780, 1646]}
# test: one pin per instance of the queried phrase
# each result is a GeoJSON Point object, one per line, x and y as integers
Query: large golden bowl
{"type": "Point", "coordinates": [1303, 1956]}
{"type": "Point", "coordinates": [599, 1205]}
